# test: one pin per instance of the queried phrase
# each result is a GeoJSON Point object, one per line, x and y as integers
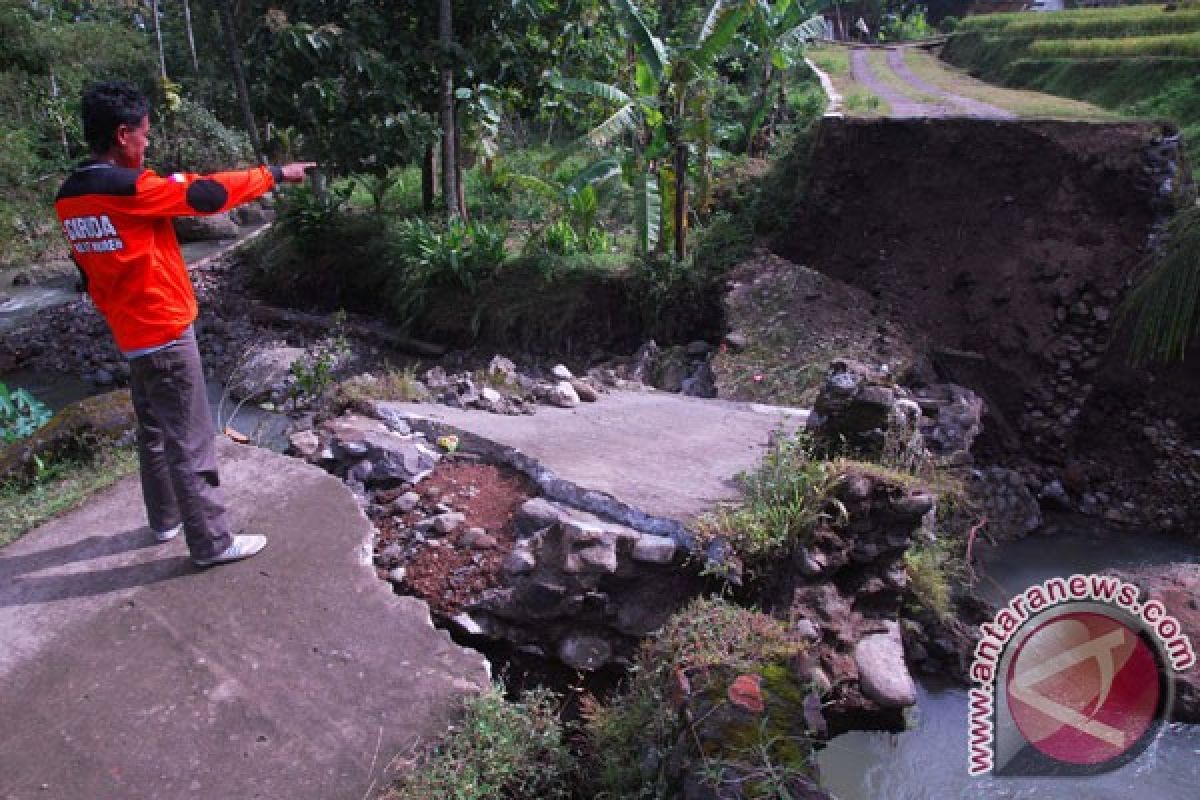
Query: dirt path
{"type": "Point", "coordinates": [904, 103]}
{"type": "Point", "coordinates": [971, 108]}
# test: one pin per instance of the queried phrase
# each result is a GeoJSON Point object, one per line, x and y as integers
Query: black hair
{"type": "Point", "coordinates": [107, 106]}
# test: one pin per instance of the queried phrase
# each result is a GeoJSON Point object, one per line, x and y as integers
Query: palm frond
{"type": "Point", "coordinates": [623, 121]}
{"type": "Point", "coordinates": [720, 36]}
{"type": "Point", "coordinates": [710, 21]}
{"type": "Point", "coordinates": [650, 48]}
{"type": "Point", "coordinates": [810, 30]}
{"type": "Point", "coordinates": [604, 91]}
{"type": "Point", "coordinates": [1165, 306]}
{"type": "Point", "coordinates": [649, 211]}
{"type": "Point", "coordinates": [532, 183]}
{"type": "Point", "coordinates": [595, 173]}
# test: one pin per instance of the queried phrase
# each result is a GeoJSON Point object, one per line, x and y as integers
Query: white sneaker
{"type": "Point", "coordinates": [168, 535]}
{"type": "Point", "coordinates": [243, 546]}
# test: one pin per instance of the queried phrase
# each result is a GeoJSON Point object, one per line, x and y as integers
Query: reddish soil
{"type": "Point", "coordinates": [445, 572]}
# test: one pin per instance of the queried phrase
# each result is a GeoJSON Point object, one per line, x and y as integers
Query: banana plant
{"type": "Point", "coordinates": [776, 33]}
{"type": "Point", "coordinates": [577, 199]}
{"type": "Point", "coordinates": [662, 114]}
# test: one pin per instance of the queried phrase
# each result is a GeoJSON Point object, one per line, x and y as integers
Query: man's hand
{"type": "Point", "coordinates": [294, 172]}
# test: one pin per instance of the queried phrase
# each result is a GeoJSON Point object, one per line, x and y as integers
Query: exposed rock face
{"type": "Point", "coordinates": [844, 591]}
{"type": "Point", "coordinates": [1002, 497]}
{"type": "Point", "coordinates": [1177, 587]}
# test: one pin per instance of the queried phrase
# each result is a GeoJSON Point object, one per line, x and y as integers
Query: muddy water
{"type": "Point", "coordinates": [928, 762]}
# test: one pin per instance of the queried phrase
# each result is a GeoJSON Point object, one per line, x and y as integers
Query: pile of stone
{"type": "Point", "coordinates": [685, 369]}
{"type": "Point", "coordinates": [1082, 325]}
{"type": "Point", "coordinates": [366, 453]}
{"type": "Point", "coordinates": [501, 388]}
{"type": "Point", "coordinates": [581, 589]}
{"type": "Point", "coordinates": [862, 411]}
{"type": "Point", "coordinates": [844, 590]}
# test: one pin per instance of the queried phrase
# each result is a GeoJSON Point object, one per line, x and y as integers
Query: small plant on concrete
{"type": "Point", "coordinates": [498, 751]}
{"type": "Point", "coordinates": [783, 501]}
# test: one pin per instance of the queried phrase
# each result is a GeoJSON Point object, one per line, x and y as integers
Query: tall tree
{"type": "Point", "coordinates": [446, 110]}
{"type": "Point", "coordinates": [234, 52]}
{"type": "Point", "coordinates": [162, 59]}
{"type": "Point", "coordinates": [187, 23]}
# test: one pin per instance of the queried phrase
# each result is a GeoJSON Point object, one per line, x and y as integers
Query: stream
{"type": "Point", "coordinates": [929, 761]}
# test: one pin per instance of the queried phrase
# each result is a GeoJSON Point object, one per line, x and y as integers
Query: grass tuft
{"type": "Point", "coordinates": [59, 487]}
{"type": "Point", "coordinates": [497, 751]}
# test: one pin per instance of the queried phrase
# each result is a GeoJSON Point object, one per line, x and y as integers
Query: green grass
{"type": "Point", "coordinates": [831, 60]}
{"type": "Point", "coordinates": [62, 487]}
{"type": "Point", "coordinates": [1079, 23]}
{"type": "Point", "coordinates": [498, 750]}
{"type": "Point", "coordinates": [1183, 45]}
{"type": "Point", "coordinates": [878, 61]}
{"type": "Point", "coordinates": [861, 101]}
{"type": "Point", "coordinates": [782, 501]}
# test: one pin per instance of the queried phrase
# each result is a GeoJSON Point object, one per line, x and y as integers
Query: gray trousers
{"type": "Point", "coordinates": [177, 448]}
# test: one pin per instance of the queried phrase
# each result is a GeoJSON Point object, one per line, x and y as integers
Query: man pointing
{"type": "Point", "coordinates": [117, 219]}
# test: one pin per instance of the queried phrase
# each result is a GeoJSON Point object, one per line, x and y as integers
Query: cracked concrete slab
{"type": "Point", "coordinates": [670, 457]}
{"type": "Point", "coordinates": [128, 673]}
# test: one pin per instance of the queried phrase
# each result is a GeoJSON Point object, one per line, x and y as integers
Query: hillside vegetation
{"type": "Point", "coordinates": [1140, 61]}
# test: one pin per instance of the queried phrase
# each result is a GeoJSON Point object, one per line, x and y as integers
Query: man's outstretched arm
{"type": "Point", "coordinates": [186, 194]}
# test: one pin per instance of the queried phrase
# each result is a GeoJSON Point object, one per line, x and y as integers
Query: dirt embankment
{"type": "Point", "coordinates": [1009, 246]}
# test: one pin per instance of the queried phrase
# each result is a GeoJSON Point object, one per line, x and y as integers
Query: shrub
{"type": "Point", "coordinates": [629, 739]}
{"type": "Point", "coordinates": [498, 751]}
{"type": "Point", "coordinates": [426, 259]}
{"type": "Point", "coordinates": [360, 391]}
{"type": "Point", "coordinates": [192, 139]}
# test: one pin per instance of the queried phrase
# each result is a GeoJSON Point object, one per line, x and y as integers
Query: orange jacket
{"type": "Point", "coordinates": [118, 224]}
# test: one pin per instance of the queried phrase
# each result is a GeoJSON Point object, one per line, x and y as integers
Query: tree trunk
{"type": "Point", "coordinates": [681, 200]}
{"type": "Point", "coordinates": [429, 178]}
{"type": "Point", "coordinates": [234, 51]}
{"type": "Point", "coordinates": [458, 176]}
{"type": "Point", "coordinates": [187, 23]}
{"type": "Point", "coordinates": [162, 59]}
{"type": "Point", "coordinates": [446, 103]}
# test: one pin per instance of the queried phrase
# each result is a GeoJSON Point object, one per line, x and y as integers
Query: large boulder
{"type": "Point", "coordinates": [207, 228]}
{"type": "Point", "coordinates": [264, 370]}
{"type": "Point", "coordinates": [370, 453]}
{"type": "Point", "coordinates": [75, 431]}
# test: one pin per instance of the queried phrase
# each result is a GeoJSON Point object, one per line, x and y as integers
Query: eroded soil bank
{"type": "Point", "coordinates": [1005, 248]}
